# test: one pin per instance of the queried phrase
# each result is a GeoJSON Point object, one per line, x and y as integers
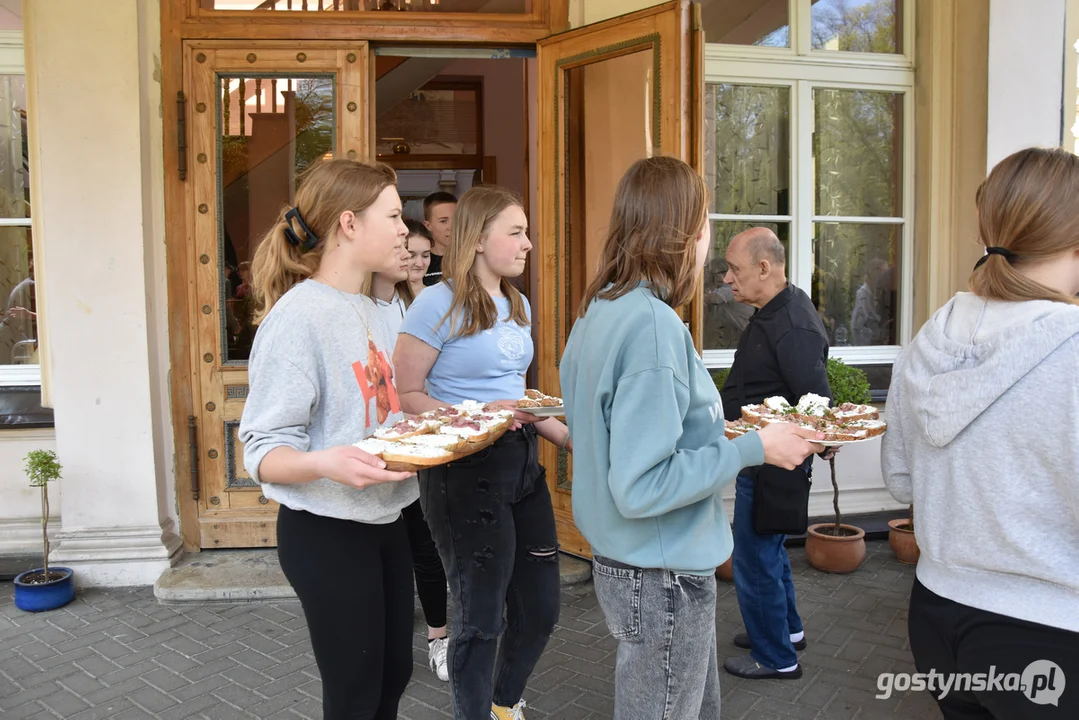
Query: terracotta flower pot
{"type": "Point", "coordinates": [725, 572]}
{"type": "Point", "coordinates": [832, 554]}
{"type": "Point", "coordinates": [903, 542]}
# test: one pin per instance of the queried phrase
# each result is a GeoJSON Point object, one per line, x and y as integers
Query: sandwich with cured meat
{"type": "Point", "coordinates": [848, 422]}
{"type": "Point", "coordinates": [534, 398]}
{"type": "Point", "coordinates": [406, 428]}
{"type": "Point", "coordinates": [405, 452]}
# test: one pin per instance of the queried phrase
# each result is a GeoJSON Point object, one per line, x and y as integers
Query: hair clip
{"type": "Point", "coordinates": [292, 237]}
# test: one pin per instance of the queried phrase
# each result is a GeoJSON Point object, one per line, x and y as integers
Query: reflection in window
{"type": "Point", "coordinates": [765, 23]}
{"type": "Point", "coordinates": [724, 317]}
{"type": "Point", "coordinates": [868, 26]}
{"type": "Point", "coordinates": [856, 281]}
{"type": "Point", "coordinates": [514, 7]}
{"type": "Point", "coordinates": [751, 132]}
{"type": "Point", "coordinates": [18, 307]}
{"type": "Point", "coordinates": [272, 128]}
{"type": "Point", "coordinates": [858, 153]}
{"type": "Point", "coordinates": [441, 118]}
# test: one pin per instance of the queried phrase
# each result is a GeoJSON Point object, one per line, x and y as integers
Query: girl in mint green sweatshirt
{"type": "Point", "coordinates": [650, 454]}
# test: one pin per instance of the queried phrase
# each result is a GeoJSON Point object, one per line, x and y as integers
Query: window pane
{"type": "Point", "coordinates": [724, 318]}
{"type": "Point", "coordinates": [14, 167]}
{"type": "Point", "coordinates": [858, 153]}
{"type": "Point", "coordinates": [271, 129]}
{"type": "Point", "coordinates": [18, 319]}
{"type": "Point", "coordinates": [448, 6]}
{"type": "Point", "coordinates": [856, 282]}
{"type": "Point", "coordinates": [747, 22]}
{"type": "Point", "coordinates": [437, 119]}
{"type": "Point", "coordinates": [18, 322]}
{"type": "Point", "coordinates": [873, 26]}
{"type": "Point", "coordinates": [747, 148]}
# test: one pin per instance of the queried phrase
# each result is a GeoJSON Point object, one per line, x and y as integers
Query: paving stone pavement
{"type": "Point", "coordinates": [120, 654]}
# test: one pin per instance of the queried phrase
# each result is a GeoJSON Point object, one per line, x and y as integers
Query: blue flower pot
{"type": "Point", "coordinates": [45, 596]}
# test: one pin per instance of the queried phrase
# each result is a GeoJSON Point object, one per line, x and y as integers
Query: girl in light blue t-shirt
{"type": "Point", "coordinates": [469, 338]}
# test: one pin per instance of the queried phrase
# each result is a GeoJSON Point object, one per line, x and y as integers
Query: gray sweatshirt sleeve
{"type": "Point", "coordinates": [278, 408]}
{"type": "Point", "coordinates": [893, 455]}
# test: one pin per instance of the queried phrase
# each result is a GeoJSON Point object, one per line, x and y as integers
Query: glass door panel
{"type": "Point", "coordinates": [258, 114]}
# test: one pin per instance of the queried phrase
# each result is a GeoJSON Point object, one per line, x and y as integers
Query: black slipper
{"type": "Point", "coordinates": [746, 667]}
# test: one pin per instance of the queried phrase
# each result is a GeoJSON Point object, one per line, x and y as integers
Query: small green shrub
{"type": "Point", "coordinates": [719, 376]}
{"type": "Point", "coordinates": [848, 383]}
{"type": "Point", "coordinates": [42, 468]}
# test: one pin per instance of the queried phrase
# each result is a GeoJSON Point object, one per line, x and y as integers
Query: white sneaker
{"type": "Point", "coordinates": [436, 658]}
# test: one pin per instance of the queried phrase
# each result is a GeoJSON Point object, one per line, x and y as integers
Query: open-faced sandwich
{"type": "Point", "coordinates": [405, 452]}
{"type": "Point", "coordinates": [438, 436]}
{"type": "Point", "coordinates": [534, 398]}
{"type": "Point", "coordinates": [848, 422]}
{"type": "Point", "coordinates": [737, 428]}
{"type": "Point", "coordinates": [406, 428]}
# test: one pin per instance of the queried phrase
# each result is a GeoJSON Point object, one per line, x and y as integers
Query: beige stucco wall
{"type": "Point", "coordinates": [95, 116]}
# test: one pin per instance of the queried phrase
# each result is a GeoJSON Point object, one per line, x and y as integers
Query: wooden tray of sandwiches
{"type": "Point", "coordinates": [443, 436]}
{"type": "Point", "coordinates": [842, 425]}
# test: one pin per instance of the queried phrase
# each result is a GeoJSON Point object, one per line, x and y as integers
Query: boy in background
{"type": "Point", "coordinates": [438, 209]}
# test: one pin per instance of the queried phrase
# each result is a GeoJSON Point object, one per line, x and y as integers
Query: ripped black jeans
{"type": "Point", "coordinates": [491, 518]}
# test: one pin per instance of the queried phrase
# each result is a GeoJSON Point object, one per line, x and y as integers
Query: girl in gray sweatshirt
{"type": "Point", "coordinates": [983, 436]}
{"type": "Point", "coordinates": [321, 380]}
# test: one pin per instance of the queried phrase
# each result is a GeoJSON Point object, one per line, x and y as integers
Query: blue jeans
{"type": "Point", "coordinates": [762, 581]}
{"type": "Point", "coordinates": [665, 624]}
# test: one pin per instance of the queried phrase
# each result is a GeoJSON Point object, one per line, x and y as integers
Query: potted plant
{"type": "Point", "coordinates": [44, 588]}
{"type": "Point", "coordinates": [835, 547]}
{"type": "Point", "coordinates": [902, 539]}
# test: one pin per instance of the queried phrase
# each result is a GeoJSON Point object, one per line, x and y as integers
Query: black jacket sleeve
{"type": "Point", "coordinates": [802, 357]}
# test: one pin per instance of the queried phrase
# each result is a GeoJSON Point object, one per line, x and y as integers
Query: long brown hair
{"type": "Point", "coordinates": [660, 207]}
{"type": "Point", "coordinates": [1027, 206]}
{"type": "Point", "coordinates": [473, 310]}
{"type": "Point", "coordinates": [327, 189]}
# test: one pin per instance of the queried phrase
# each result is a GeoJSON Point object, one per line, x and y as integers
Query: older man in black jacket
{"type": "Point", "coordinates": [783, 351]}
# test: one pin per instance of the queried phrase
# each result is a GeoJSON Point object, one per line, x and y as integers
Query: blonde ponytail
{"type": "Point", "coordinates": [291, 251]}
{"type": "Point", "coordinates": [278, 265]}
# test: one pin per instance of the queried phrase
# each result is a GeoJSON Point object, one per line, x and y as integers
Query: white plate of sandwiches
{"type": "Point", "coordinates": [541, 405]}
{"type": "Point", "coordinates": [842, 425]}
{"type": "Point", "coordinates": [438, 437]}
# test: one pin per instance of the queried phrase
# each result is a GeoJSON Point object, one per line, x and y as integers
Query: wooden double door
{"type": "Point", "coordinates": [258, 112]}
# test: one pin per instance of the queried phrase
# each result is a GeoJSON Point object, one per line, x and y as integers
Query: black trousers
{"type": "Point", "coordinates": [427, 566]}
{"type": "Point", "coordinates": [491, 517]}
{"type": "Point", "coordinates": [950, 638]}
{"type": "Point", "coordinates": [354, 581]}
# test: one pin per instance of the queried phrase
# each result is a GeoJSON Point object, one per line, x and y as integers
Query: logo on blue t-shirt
{"type": "Point", "coordinates": [510, 343]}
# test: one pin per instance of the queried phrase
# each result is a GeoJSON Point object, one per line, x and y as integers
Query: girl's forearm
{"type": "Point", "coordinates": [554, 431]}
{"type": "Point", "coordinates": [288, 466]}
{"type": "Point", "coordinates": [415, 403]}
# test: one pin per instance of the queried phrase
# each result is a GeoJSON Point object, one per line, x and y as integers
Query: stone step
{"type": "Point", "coordinates": [231, 576]}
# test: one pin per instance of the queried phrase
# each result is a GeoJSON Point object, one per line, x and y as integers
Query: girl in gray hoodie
{"type": "Point", "coordinates": [320, 380]}
{"type": "Point", "coordinates": [983, 436]}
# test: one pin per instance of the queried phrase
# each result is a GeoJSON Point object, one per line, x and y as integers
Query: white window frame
{"type": "Point", "coordinates": [1070, 121]}
{"type": "Point", "coordinates": [803, 69]}
{"type": "Point", "coordinates": [12, 62]}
